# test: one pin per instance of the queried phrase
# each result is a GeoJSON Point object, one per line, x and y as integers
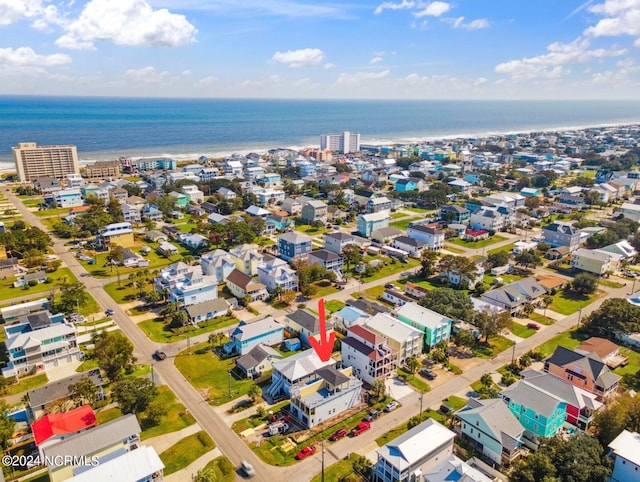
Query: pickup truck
{"type": "Point", "coordinates": [361, 427]}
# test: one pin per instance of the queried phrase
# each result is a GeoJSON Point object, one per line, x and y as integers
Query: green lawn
{"type": "Point", "coordinates": [506, 278]}
{"type": "Point", "coordinates": [430, 284]}
{"type": "Point", "coordinates": [392, 268]}
{"type": "Point", "coordinates": [339, 471]}
{"type": "Point", "coordinates": [543, 320]}
{"type": "Point", "coordinates": [453, 249]}
{"type": "Point", "coordinates": [123, 293]}
{"type": "Point", "coordinates": [413, 380]}
{"type": "Point", "coordinates": [507, 248]}
{"type": "Point", "coordinates": [186, 451]}
{"type": "Point", "coordinates": [403, 224]}
{"type": "Point", "coordinates": [568, 339]}
{"type": "Point", "coordinates": [222, 469]}
{"type": "Point", "coordinates": [420, 210]}
{"type": "Point", "coordinates": [398, 215]}
{"type": "Point", "coordinates": [33, 202]}
{"type": "Point", "coordinates": [209, 374]}
{"type": "Point", "coordinates": [7, 291]}
{"type": "Point", "coordinates": [27, 383]}
{"type": "Point", "coordinates": [334, 305]}
{"type": "Point", "coordinates": [497, 344]}
{"type": "Point", "coordinates": [325, 288]}
{"type": "Point", "coordinates": [454, 402]}
{"type": "Point", "coordinates": [155, 261]}
{"type": "Point", "coordinates": [177, 416]}
{"type": "Point", "coordinates": [478, 244]}
{"type": "Point", "coordinates": [90, 364]}
{"type": "Point", "coordinates": [400, 429]}
{"type": "Point", "coordinates": [160, 331]}
{"type": "Point", "coordinates": [568, 302]}
{"type": "Point", "coordinates": [629, 373]}
{"type": "Point", "coordinates": [521, 330]}
{"type": "Point", "coordinates": [610, 284]}
{"type": "Point", "coordinates": [104, 416]}
{"type": "Point", "coordinates": [45, 213]}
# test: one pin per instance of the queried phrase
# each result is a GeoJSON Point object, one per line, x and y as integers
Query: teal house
{"type": "Point", "coordinates": [406, 184]}
{"type": "Point", "coordinates": [181, 199]}
{"type": "Point", "coordinates": [436, 327]}
{"type": "Point", "coordinates": [539, 412]}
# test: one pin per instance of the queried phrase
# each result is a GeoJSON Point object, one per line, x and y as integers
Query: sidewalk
{"type": "Point", "coordinates": [192, 469]}
{"type": "Point", "coordinates": [163, 442]}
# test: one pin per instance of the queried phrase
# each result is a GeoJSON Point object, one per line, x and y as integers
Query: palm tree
{"type": "Point", "coordinates": [546, 301]}
{"type": "Point", "coordinates": [254, 393]}
{"type": "Point", "coordinates": [413, 364]}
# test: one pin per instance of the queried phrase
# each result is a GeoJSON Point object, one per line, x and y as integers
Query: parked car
{"type": "Point", "coordinates": [372, 415]}
{"type": "Point", "coordinates": [390, 286]}
{"type": "Point", "coordinates": [109, 312]}
{"type": "Point", "coordinates": [338, 434]}
{"type": "Point", "coordinates": [428, 374]}
{"type": "Point", "coordinates": [160, 355]}
{"type": "Point", "coordinates": [391, 406]}
{"type": "Point", "coordinates": [247, 468]}
{"type": "Point", "coordinates": [305, 452]}
{"type": "Point", "coordinates": [533, 326]}
{"type": "Point", "coordinates": [360, 428]}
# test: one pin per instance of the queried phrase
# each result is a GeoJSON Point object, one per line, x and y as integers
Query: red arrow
{"type": "Point", "coordinates": [324, 347]}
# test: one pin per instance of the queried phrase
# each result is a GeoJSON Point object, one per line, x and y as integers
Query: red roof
{"type": "Point", "coordinates": [79, 209]}
{"type": "Point", "coordinates": [366, 335]}
{"type": "Point", "coordinates": [63, 423]}
{"type": "Point", "coordinates": [475, 232]}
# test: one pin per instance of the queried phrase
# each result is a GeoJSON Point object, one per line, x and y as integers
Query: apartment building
{"type": "Point", "coordinates": [33, 161]}
{"type": "Point", "coordinates": [344, 143]}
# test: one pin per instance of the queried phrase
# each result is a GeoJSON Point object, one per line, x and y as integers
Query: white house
{"type": "Point", "coordinates": [631, 211]}
{"type": "Point", "coordinates": [217, 263]}
{"type": "Point", "coordinates": [186, 285]}
{"type": "Point", "coordinates": [625, 450]}
{"type": "Point", "coordinates": [436, 327]}
{"type": "Point", "coordinates": [432, 237]}
{"type": "Point", "coordinates": [412, 246]}
{"type": "Point", "coordinates": [193, 194]}
{"type": "Point", "coordinates": [407, 340]}
{"type": "Point", "coordinates": [295, 369]}
{"type": "Point", "coordinates": [369, 354]}
{"type": "Point", "coordinates": [596, 261]}
{"type": "Point", "coordinates": [275, 272]}
{"type": "Point", "coordinates": [489, 219]}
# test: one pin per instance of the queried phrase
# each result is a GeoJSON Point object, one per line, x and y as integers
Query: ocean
{"type": "Point", "coordinates": [107, 128]}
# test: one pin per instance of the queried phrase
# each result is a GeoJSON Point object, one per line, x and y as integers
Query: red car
{"type": "Point", "coordinates": [361, 427]}
{"type": "Point", "coordinates": [533, 326]}
{"type": "Point", "coordinates": [338, 434]}
{"type": "Point", "coordinates": [305, 452]}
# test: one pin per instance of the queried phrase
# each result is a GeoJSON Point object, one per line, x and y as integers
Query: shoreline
{"type": "Point", "coordinates": [7, 163]}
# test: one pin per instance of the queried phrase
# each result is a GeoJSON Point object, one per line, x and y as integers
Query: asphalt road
{"type": "Point", "coordinates": [228, 442]}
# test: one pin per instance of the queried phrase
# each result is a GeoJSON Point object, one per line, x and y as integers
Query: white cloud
{"type": "Point", "coordinates": [131, 22]}
{"type": "Point", "coordinates": [623, 18]}
{"type": "Point", "coordinates": [48, 16]}
{"type": "Point", "coordinates": [208, 80]}
{"type": "Point", "coordinates": [299, 58]}
{"type": "Point", "coordinates": [146, 75]}
{"type": "Point", "coordinates": [375, 60]}
{"type": "Point", "coordinates": [433, 9]}
{"type": "Point", "coordinates": [361, 77]}
{"type": "Point", "coordinates": [476, 24]}
{"type": "Point", "coordinates": [26, 57]}
{"type": "Point", "coordinates": [329, 65]}
{"type": "Point", "coordinates": [551, 65]}
{"type": "Point", "coordinates": [394, 6]}
{"type": "Point", "coordinates": [12, 11]}
{"type": "Point", "coordinates": [479, 81]}
{"type": "Point", "coordinates": [627, 70]}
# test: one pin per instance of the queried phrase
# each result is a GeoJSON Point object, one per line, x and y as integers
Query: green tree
{"type": "Point", "coordinates": [179, 318]}
{"type": "Point", "coordinates": [154, 413]}
{"type": "Point", "coordinates": [72, 296]}
{"type": "Point", "coordinates": [114, 209]}
{"type": "Point", "coordinates": [499, 258]}
{"type": "Point", "coordinates": [621, 414]}
{"type": "Point", "coordinates": [115, 354]}
{"type": "Point", "coordinates": [449, 302]}
{"type": "Point", "coordinates": [134, 394]}
{"type": "Point", "coordinates": [152, 297]}
{"type": "Point", "coordinates": [428, 262]}
{"type": "Point", "coordinates": [615, 315]}
{"type": "Point", "coordinates": [116, 255]}
{"type": "Point", "coordinates": [6, 426]}
{"type": "Point", "coordinates": [352, 255]}
{"type": "Point", "coordinates": [458, 265]}
{"type": "Point", "coordinates": [413, 364]}
{"type": "Point", "coordinates": [378, 389]}
{"type": "Point", "coordinates": [254, 393]}
{"type": "Point", "coordinates": [491, 323]}
{"type": "Point", "coordinates": [464, 338]}
{"type": "Point", "coordinates": [528, 259]}
{"type": "Point", "coordinates": [361, 465]}
{"type": "Point", "coordinates": [84, 392]}
{"type": "Point", "coordinates": [584, 283]}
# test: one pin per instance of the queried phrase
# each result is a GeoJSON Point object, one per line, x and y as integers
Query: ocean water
{"type": "Point", "coordinates": [107, 128]}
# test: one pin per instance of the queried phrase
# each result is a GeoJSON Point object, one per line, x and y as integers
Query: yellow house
{"type": "Point", "coordinates": [118, 233]}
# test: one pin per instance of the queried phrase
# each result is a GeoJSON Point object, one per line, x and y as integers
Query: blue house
{"type": "Point", "coordinates": [271, 179]}
{"type": "Point", "coordinates": [368, 223]}
{"type": "Point", "coordinates": [281, 223]}
{"type": "Point", "coordinates": [293, 245]}
{"type": "Point", "coordinates": [473, 177]}
{"type": "Point", "coordinates": [246, 336]}
{"type": "Point", "coordinates": [292, 344]}
{"type": "Point", "coordinates": [406, 184]}
{"type": "Point", "coordinates": [307, 169]}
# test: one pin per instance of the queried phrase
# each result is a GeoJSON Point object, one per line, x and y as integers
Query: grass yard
{"type": "Point", "coordinates": [47, 213]}
{"type": "Point", "coordinates": [421, 211]}
{"type": "Point", "coordinates": [121, 294]}
{"type": "Point", "coordinates": [397, 215]}
{"type": "Point", "coordinates": [339, 471]}
{"type": "Point", "coordinates": [334, 305]}
{"type": "Point", "coordinates": [629, 373]}
{"type": "Point", "coordinates": [568, 302]}
{"type": "Point", "coordinates": [221, 468]}
{"type": "Point", "coordinates": [160, 331]}
{"type": "Point", "coordinates": [454, 402]}
{"type": "Point", "coordinates": [391, 269]}
{"type": "Point", "coordinates": [27, 383]}
{"type": "Point", "coordinates": [543, 320]}
{"type": "Point", "coordinates": [478, 244]}
{"type": "Point", "coordinates": [400, 429]}
{"type": "Point", "coordinates": [90, 364]}
{"type": "Point", "coordinates": [33, 202]}
{"type": "Point", "coordinates": [403, 224]}
{"type": "Point", "coordinates": [507, 248]}
{"type": "Point", "coordinates": [373, 293]}
{"type": "Point", "coordinates": [208, 373]}
{"type": "Point", "coordinates": [177, 416]}
{"type": "Point", "coordinates": [497, 344]}
{"type": "Point", "coordinates": [7, 291]}
{"type": "Point", "coordinates": [254, 420]}
{"type": "Point", "coordinates": [155, 261]}
{"type": "Point", "coordinates": [325, 288]}
{"type": "Point", "coordinates": [104, 416]}
{"type": "Point", "coordinates": [453, 249]}
{"type": "Point", "coordinates": [568, 339]}
{"type": "Point", "coordinates": [506, 278]}
{"type": "Point", "coordinates": [413, 380]}
{"type": "Point", "coordinates": [609, 283]}
{"type": "Point", "coordinates": [187, 450]}
{"type": "Point", "coordinates": [430, 284]}
{"type": "Point", "coordinates": [521, 330]}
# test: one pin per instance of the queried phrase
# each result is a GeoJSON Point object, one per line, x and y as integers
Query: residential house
{"type": "Point", "coordinates": [297, 369]}
{"type": "Point", "coordinates": [314, 210]}
{"type": "Point", "coordinates": [232, 168]}
{"type": "Point", "coordinates": [385, 235]}
{"type": "Point", "coordinates": [408, 341]}
{"type": "Point", "coordinates": [120, 435]}
{"type": "Point", "coordinates": [539, 412]}
{"type": "Point", "coordinates": [257, 361]}
{"type": "Point", "coordinates": [68, 198]}
{"type": "Point", "coordinates": [14, 313]}
{"type": "Point", "coordinates": [167, 249]}
{"type": "Point", "coordinates": [257, 212]}
{"type": "Point", "coordinates": [630, 211]}
{"type": "Point", "coordinates": [434, 238]}
{"type": "Point", "coordinates": [331, 394]}
{"type": "Point", "coordinates": [217, 263]}
{"type": "Point", "coordinates": [596, 261]}
{"type": "Point", "coordinates": [379, 204]}
{"type": "Point", "coordinates": [368, 354]}
{"type": "Point", "coordinates": [490, 219]}
{"type": "Point", "coordinates": [186, 285]}
{"type": "Point", "coordinates": [395, 297]}
{"type": "Point", "coordinates": [607, 350]}
{"type": "Point", "coordinates": [367, 223]}
{"type": "Point", "coordinates": [41, 342]}
{"type": "Point", "coordinates": [47, 185]}
{"type": "Point", "coordinates": [130, 214]}
{"type": "Point", "coordinates": [247, 258]}
{"type": "Point", "coordinates": [622, 248]}
{"type": "Point", "coordinates": [562, 234]}
{"type": "Point", "coordinates": [455, 278]}
{"type": "Point", "coordinates": [74, 180]}
{"type": "Point", "coordinates": [454, 468]}
{"type": "Point", "coordinates": [242, 285]}
{"type": "Point", "coordinates": [269, 197]}
{"type": "Point", "coordinates": [119, 194]}
{"type": "Point", "coordinates": [133, 260]}
{"type": "Point", "coordinates": [39, 277]}
{"type": "Point", "coordinates": [582, 405]}
{"type": "Point", "coordinates": [410, 184]}
{"type": "Point", "coordinates": [571, 198]}
{"type": "Point", "coordinates": [454, 214]}
{"type": "Point", "coordinates": [181, 200]}
{"type": "Point", "coordinates": [194, 241]}
{"type": "Point", "coordinates": [292, 206]}
{"type": "Point", "coordinates": [303, 324]}
{"type": "Point", "coordinates": [142, 464]}
{"type": "Point", "coordinates": [293, 246]}
{"type": "Point", "coordinates": [474, 235]}
{"type": "Point", "coordinates": [588, 371]}
{"type": "Point", "coordinates": [335, 242]}
{"type": "Point", "coordinates": [117, 233]}
{"type": "Point", "coordinates": [54, 427]}
{"type": "Point", "coordinates": [511, 200]}
{"type": "Point", "coordinates": [434, 326]}
{"type": "Point", "coordinates": [328, 260]}
{"type": "Point", "coordinates": [625, 451]}
{"type": "Point", "coordinates": [347, 317]}
{"type": "Point", "coordinates": [412, 246]}
{"type": "Point", "coordinates": [151, 212]}
{"type": "Point", "coordinates": [246, 336]}
{"type": "Point", "coordinates": [280, 222]}
{"type": "Point", "coordinates": [276, 273]}
{"type": "Point", "coordinates": [227, 194]}
{"type": "Point", "coordinates": [193, 194]}
{"type": "Point", "coordinates": [50, 397]}
{"type": "Point", "coordinates": [207, 310]}
{"type": "Point", "coordinates": [461, 186]}
{"type": "Point", "coordinates": [514, 296]}
{"type": "Point", "coordinates": [413, 453]}
{"type": "Point", "coordinates": [415, 290]}
{"type": "Point", "coordinates": [271, 179]}
{"type": "Point", "coordinates": [491, 428]}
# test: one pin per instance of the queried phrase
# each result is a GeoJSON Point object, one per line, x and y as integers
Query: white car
{"type": "Point", "coordinates": [391, 406]}
{"type": "Point", "coordinates": [247, 468]}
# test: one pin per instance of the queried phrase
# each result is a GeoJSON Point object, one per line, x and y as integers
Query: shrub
{"type": "Point", "coordinates": [33, 283]}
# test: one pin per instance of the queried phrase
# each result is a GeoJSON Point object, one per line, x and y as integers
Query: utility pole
{"type": "Point", "coordinates": [421, 397]}
{"type": "Point", "coordinates": [322, 472]}
{"type": "Point", "coordinates": [229, 380]}
{"type": "Point", "coordinates": [513, 353]}
{"type": "Point", "coordinates": [579, 317]}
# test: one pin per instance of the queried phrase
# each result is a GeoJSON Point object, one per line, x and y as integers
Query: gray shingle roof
{"type": "Point", "coordinates": [59, 389]}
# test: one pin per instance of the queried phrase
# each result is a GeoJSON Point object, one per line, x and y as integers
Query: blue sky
{"type": "Point", "coordinates": [404, 49]}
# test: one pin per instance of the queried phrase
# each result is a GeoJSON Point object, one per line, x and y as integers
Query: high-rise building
{"type": "Point", "coordinates": [345, 143]}
{"type": "Point", "coordinates": [33, 161]}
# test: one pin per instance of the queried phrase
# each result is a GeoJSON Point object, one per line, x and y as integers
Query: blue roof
{"type": "Point", "coordinates": [352, 314]}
